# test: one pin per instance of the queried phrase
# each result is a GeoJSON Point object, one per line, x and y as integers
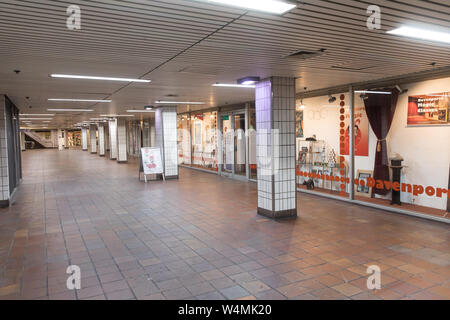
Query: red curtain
{"type": "Point", "coordinates": [380, 109]}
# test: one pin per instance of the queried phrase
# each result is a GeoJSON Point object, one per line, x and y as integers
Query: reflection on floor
{"type": "Point", "coordinates": [200, 238]}
{"type": "Point", "coordinates": [385, 202]}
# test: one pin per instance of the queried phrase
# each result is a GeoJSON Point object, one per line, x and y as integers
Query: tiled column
{"type": "Point", "coordinates": [22, 141]}
{"type": "Point", "coordinates": [101, 140]}
{"type": "Point", "coordinates": [275, 143]}
{"type": "Point", "coordinates": [66, 139]}
{"type": "Point", "coordinates": [4, 172]}
{"type": "Point", "coordinates": [166, 139]}
{"type": "Point", "coordinates": [112, 125]}
{"type": "Point", "coordinates": [93, 137]}
{"type": "Point", "coordinates": [60, 140]}
{"type": "Point", "coordinates": [106, 138]}
{"type": "Point", "coordinates": [84, 143]}
{"type": "Point", "coordinates": [121, 141]}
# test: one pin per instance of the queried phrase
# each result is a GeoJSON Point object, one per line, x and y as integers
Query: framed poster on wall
{"type": "Point", "coordinates": [429, 109]}
{"type": "Point", "coordinates": [363, 190]}
{"type": "Point", "coordinates": [299, 124]}
{"type": "Point", "coordinates": [361, 132]}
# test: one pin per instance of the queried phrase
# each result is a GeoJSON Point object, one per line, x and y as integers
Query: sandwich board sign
{"type": "Point", "coordinates": [151, 162]}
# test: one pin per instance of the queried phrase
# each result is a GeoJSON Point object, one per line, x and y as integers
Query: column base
{"type": "Point", "coordinates": [292, 213]}
{"type": "Point", "coordinates": [113, 159]}
{"type": "Point", "coordinates": [170, 177]}
{"type": "Point", "coordinates": [94, 152]}
{"type": "Point", "coordinates": [66, 147]}
{"type": "Point", "coordinates": [122, 161]}
{"type": "Point", "coordinates": [84, 149]}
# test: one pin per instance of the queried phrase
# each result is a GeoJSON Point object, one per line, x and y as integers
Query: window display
{"type": "Point", "coordinates": [402, 152]}
{"type": "Point", "coordinates": [197, 140]}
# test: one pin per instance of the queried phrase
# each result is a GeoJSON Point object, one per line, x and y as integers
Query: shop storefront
{"type": "Point", "coordinates": [401, 149]}
{"type": "Point", "coordinates": [222, 140]}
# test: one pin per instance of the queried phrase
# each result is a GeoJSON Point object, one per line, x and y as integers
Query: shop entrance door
{"type": "Point", "coordinates": [233, 146]}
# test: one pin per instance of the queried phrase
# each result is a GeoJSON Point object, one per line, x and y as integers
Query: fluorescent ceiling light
{"type": "Point", "coordinates": [232, 85]}
{"type": "Point", "coordinates": [72, 76]}
{"type": "Point", "coordinates": [177, 102]}
{"type": "Point", "coordinates": [375, 92]}
{"type": "Point", "coordinates": [71, 110]}
{"type": "Point", "coordinates": [37, 114]}
{"type": "Point", "coordinates": [140, 111]}
{"type": "Point", "coordinates": [36, 119]}
{"type": "Point", "coordinates": [420, 33]}
{"type": "Point", "coordinates": [80, 100]}
{"type": "Point", "coordinates": [270, 6]}
{"type": "Point", "coordinates": [116, 115]}
{"type": "Point", "coordinates": [249, 80]}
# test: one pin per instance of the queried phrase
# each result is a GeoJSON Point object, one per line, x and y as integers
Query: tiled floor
{"type": "Point", "coordinates": [200, 238]}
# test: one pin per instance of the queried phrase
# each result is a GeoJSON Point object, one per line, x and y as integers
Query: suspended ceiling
{"type": "Point", "coordinates": [185, 46]}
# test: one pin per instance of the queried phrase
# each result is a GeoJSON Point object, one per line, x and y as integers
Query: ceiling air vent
{"type": "Point", "coordinates": [306, 54]}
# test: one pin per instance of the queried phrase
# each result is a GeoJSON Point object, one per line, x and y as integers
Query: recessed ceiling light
{"type": "Point", "coordinates": [177, 102]}
{"type": "Point", "coordinates": [249, 80]}
{"type": "Point", "coordinates": [141, 111]}
{"type": "Point", "coordinates": [375, 92]}
{"type": "Point", "coordinates": [37, 114]}
{"type": "Point", "coordinates": [71, 110]}
{"type": "Point", "coordinates": [72, 76]}
{"type": "Point", "coordinates": [270, 6]}
{"type": "Point", "coordinates": [80, 100]}
{"type": "Point", "coordinates": [233, 85]}
{"type": "Point", "coordinates": [419, 33]}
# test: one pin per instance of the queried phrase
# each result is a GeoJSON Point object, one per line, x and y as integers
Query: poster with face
{"type": "Point", "coordinates": [361, 132]}
{"type": "Point", "coordinates": [429, 109]}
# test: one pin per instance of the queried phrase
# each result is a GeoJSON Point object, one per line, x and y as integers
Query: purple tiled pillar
{"type": "Point", "coordinates": [275, 147]}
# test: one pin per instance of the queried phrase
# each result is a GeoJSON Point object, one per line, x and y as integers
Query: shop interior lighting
{"type": "Point", "coordinates": [421, 33]}
{"type": "Point", "coordinates": [374, 92]}
{"type": "Point", "coordinates": [269, 6]}
{"type": "Point", "coordinates": [74, 76]}
{"type": "Point", "coordinates": [37, 114]}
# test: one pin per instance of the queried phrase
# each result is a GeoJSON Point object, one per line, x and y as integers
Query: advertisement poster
{"type": "Point", "coordinates": [429, 109]}
{"type": "Point", "coordinates": [361, 132]}
{"type": "Point", "coordinates": [151, 160]}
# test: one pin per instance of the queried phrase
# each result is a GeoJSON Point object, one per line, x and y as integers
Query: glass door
{"type": "Point", "coordinates": [233, 145]}
{"type": "Point", "coordinates": [227, 144]}
{"type": "Point", "coordinates": [240, 162]}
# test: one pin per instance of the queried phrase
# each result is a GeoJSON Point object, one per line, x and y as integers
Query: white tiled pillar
{"type": "Point", "coordinates": [112, 125]}
{"type": "Point", "coordinates": [166, 139]}
{"type": "Point", "coordinates": [275, 147]}
{"type": "Point", "coordinates": [93, 137]}
{"type": "Point", "coordinates": [106, 137]}
{"type": "Point", "coordinates": [121, 140]}
{"type": "Point", "coordinates": [60, 140]}
{"type": "Point", "coordinates": [4, 172]}
{"type": "Point", "coordinates": [101, 140]}
{"type": "Point", "coordinates": [22, 141]}
{"type": "Point", "coordinates": [84, 143]}
{"type": "Point", "coordinates": [66, 139]}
